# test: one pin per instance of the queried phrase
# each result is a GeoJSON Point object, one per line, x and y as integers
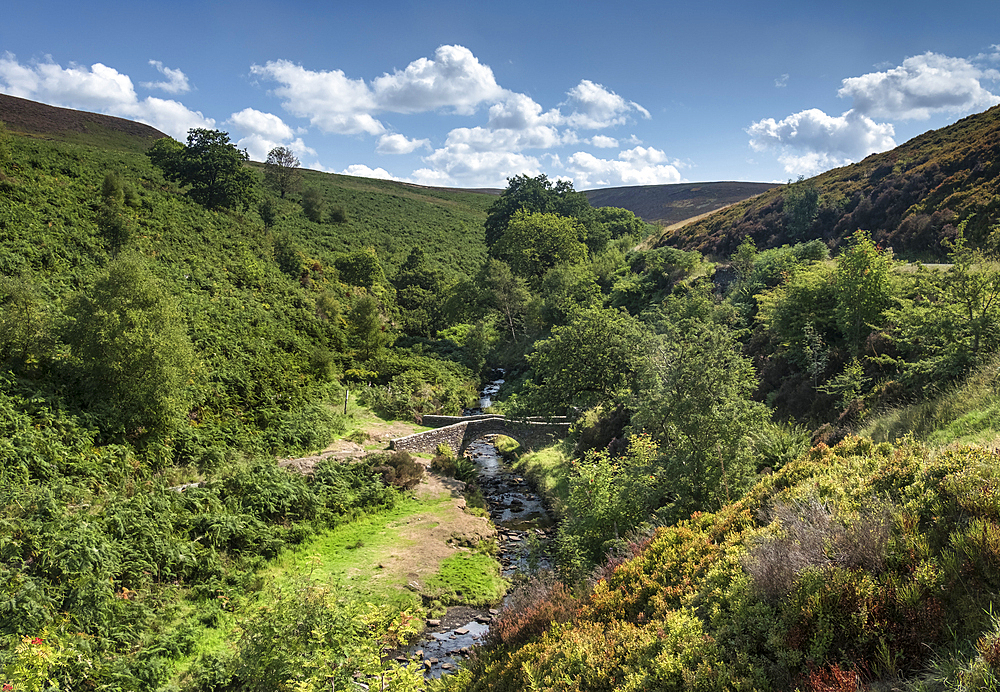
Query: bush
{"type": "Point", "coordinates": [399, 469]}
{"type": "Point", "coordinates": [531, 609]}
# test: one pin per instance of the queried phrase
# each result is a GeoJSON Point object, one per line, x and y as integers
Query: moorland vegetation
{"type": "Point", "coordinates": [781, 475]}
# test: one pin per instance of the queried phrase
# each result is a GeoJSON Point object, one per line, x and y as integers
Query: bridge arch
{"type": "Point", "coordinates": [458, 432]}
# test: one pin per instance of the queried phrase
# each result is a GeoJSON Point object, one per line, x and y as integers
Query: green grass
{"type": "Point", "coordinates": [469, 578]}
{"type": "Point", "coordinates": [968, 413]}
{"type": "Point", "coordinates": [548, 469]}
{"type": "Point", "coordinates": [351, 556]}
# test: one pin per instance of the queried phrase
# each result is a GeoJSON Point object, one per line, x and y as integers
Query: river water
{"type": "Point", "coordinates": [524, 529]}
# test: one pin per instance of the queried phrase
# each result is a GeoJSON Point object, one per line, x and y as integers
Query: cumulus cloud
{"type": "Point", "coordinates": [362, 171]}
{"type": "Point", "coordinates": [400, 144]}
{"type": "Point", "coordinates": [454, 79]}
{"type": "Point", "coordinates": [636, 166]}
{"type": "Point", "coordinates": [921, 86]}
{"type": "Point", "coordinates": [811, 140]}
{"type": "Point", "coordinates": [176, 83]}
{"type": "Point", "coordinates": [97, 88]}
{"type": "Point", "coordinates": [329, 99]}
{"type": "Point", "coordinates": [464, 165]}
{"type": "Point", "coordinates": [265, 131]}
{"type": "Point", "coordinates": [604, 142]}
{"type": "Point", "coordinates": [594, 107]}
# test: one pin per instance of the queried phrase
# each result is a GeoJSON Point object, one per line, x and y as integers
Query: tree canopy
{"type": "Point", "coordinates": [211, 165]}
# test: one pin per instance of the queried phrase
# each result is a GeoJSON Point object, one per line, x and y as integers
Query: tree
{"type": "Point", "coordinates": [696, 403]}
{"type": "Point", "coordinates": [533, 243]}
{"type": "Point", "coordinates": [534, 195]}
{"type": "Point", "coordinates": [130, 337]}
{"type": "Point", "coordinates": [313, 205]}
{"type": "Point", "coordinates": [800, 204]}
{"type": "Point", "coordinates": [863, 289]}
{"type": "Point", "coordinates": [505, 293]}
{"type": "Point", "coordinates": [366, 331]}
{"type": "Point", "coordinates": [598, 358]}
{"type": "Point", "coordinates": [281, 171]}
{"type": "Point", "coordinates": [211, 165]}
{"type": "Point", "coordinates": [113, 220]}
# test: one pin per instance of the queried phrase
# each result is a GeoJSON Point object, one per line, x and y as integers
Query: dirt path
{"type": "Point", "coordinates": [423, 540]}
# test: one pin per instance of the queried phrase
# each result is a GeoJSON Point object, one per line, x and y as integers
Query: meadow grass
{"type": "Point", "coordinates": [548, 468]}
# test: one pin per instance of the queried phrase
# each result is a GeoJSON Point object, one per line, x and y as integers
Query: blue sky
{"type": "Point", "coordinates": [467, 94]}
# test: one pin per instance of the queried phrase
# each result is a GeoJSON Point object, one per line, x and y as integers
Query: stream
{"type": "Point", "coordinates": [524, 530]}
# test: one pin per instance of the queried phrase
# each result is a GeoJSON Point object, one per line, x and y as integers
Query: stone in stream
{"type": "Point", "coordinates": [462, 630]}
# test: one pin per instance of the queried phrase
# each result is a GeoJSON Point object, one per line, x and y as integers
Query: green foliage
{"type": "Point", "coordinates": [534, 243]}
{"type": "Point", "coordinates": [609, 498]}
{"type": "Point", "coordinates": [863, 289]}
{"type": "Point", "coordinates": [213, 167]}
{"type": "Point", "coordinates": [696, 403]}
{"type": "Point", "coordinates": [595, 358]}
{"type": "Point", "coordinates": [800, 204]}
{"type": "Point", "coordinates": [533, 196]}
{"type": "Point", "coordinates": [132, 342]}
{"type": "Point", "coordinates": [313, 205]}
{"type": "Point", "coordinates": [281, 171]}
{"type": "Point", "coordinates": [305, 638]}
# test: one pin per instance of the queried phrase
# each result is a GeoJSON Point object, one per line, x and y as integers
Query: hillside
{"type": "Point", "coordinates": [666, 205]}
{"type": "Point", "coordinates": [26, 117]}
{"type": "Point", "coordinates": [910, 198]}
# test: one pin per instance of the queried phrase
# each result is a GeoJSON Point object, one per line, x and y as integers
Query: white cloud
{"type": "Point", "coordinates": [265, 131]}
{"type": "Point", "coordinates": [781, 81]}
{"type": "Point", "coordinates": [330, 100]}
{"type": "Point", "coordinates": [594, 107]}
{"type": "Point", "coordinates": [464, 165]}
{"type": "Point", "coordinates": [604, 142]}
{"type": "Point", "coordinates": [400, 144]}
{"type": "Point", "coordinates": [177, 81]}
{"type": "Point", "coordinates": [637, 166]}
{"type": "Point", "coordinates": [921, 86]}
{"type": "Point", "coordinates": [100, 89]}
{"type": "Point", "coordinates": [453, 79]}
{"type": "Point", "coordinates": [360, 170]}
{"type": "Point", "coordinates": [250, 120]}
{"type": "Point", "coordinates": [811, 140]}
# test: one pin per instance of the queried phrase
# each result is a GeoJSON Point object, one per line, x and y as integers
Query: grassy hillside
{"type": "Point", "coordinates": [911, 198]}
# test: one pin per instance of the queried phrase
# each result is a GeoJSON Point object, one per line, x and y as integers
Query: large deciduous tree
{"type": "Point", "coordinates": [536, 195]}
{"type": "Point", "coordinates": [863, 288]}
{"type": "Point", "coordinates": [597, 358]}
{"type": "Point", "coordinates": [533, 243]}
{"type": "Point", "coordinates": [281, 171]}
{"type": "Point", "coordinates": [211, 165]}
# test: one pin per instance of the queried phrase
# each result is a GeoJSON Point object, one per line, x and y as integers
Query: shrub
{"type": "Point", "coordinates": [531, 609]}
{"type": "Point", "coordinates": [813, 537]}
{"type": "Point", "coordinates": [399, 469]}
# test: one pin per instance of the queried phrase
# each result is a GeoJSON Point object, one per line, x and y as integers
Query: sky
{"type": "Point", "coordinates": [469, 94]}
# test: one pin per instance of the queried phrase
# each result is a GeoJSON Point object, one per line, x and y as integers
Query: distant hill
{"type": "Point", "coordinates": [667, 205]}
{"type": "Point", "coordinates": [30, 118]}
{"type": "Point", "coordinates": [910, 198]}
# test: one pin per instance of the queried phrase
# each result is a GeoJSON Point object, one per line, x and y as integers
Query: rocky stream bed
{"type": "Point", "coordinates": [524, 528]}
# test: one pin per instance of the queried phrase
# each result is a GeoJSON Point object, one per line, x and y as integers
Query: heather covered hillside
{"type": "Point", "coordinates": [910, 198]}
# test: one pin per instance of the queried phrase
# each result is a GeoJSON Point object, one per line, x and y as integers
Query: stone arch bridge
{"type": "Point", "coordinates": [458, 431]}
